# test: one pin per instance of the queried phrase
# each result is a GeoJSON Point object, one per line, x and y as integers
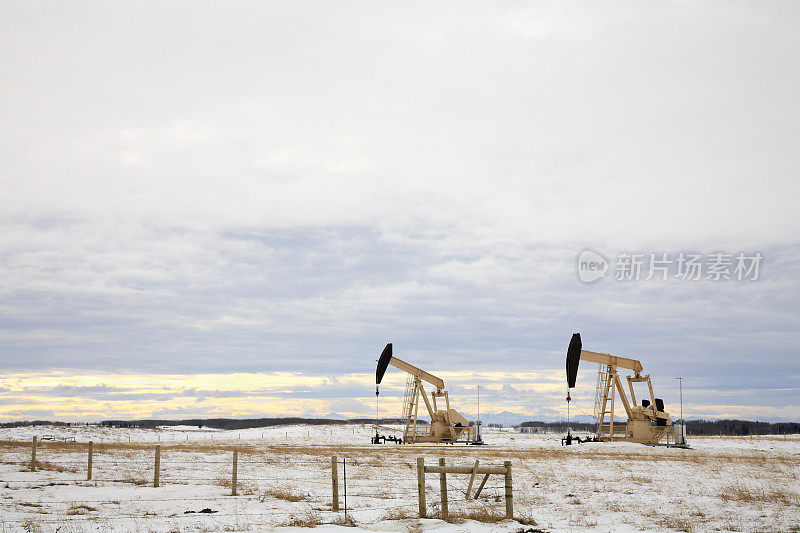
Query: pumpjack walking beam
{"type": "Point", "coordinates": [447, 425]}
{"type": "Point", "coordinates": [647, 423]}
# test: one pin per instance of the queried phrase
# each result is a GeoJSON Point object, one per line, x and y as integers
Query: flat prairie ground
{"type": "Point", "coordinates": [284, 481]}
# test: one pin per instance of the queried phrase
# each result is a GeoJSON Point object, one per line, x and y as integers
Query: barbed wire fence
{"type": "Point", "coordinates": [241, 485]}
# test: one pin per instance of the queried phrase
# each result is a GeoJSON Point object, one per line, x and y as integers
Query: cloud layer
{"type": "Point", "coordinates": [279, 189]}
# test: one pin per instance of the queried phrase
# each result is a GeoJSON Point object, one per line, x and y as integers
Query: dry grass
{"type": "Point", "coordinates": [782, 438]}
{"type": "Point", "coordinates": [485, 515]}
{"type": "Point", "coordinates": [384, 494]}
{"type": "Point", "coordinates": [406, 455]}
{"type": "Point", "coordinates": [488, 516]}
{"type": "Point", "coordinates": [342, 521]}
{"type": "Point", "coordinates": [328, 450]}
{"type": "Point", "coordinates": [676, 523]}
{"type": "Point", "coordinates": [740, 493]}
{"type": "Point", "coordinates": [48, 466]}
{"type": "Point", "coordinates": [26, 445]}
{"type": "Point", "coordinates": [99, 447]}
{"type": "Point", "coordinates": [697, 513]}
{"type": "Point", "coordinates": [242, 487]}
{"type": "Point", "coordinates": [32, 506]}
{"type": "Point", "coordinates": [307, 519]}
{"type": "Point", "coordinates": [29, 504]}
{"type": "Point", "coordinates": [527, 521]}
{"type": "Point", "coordinates": [78, 509]}
{"type": "Point", "coordinates": [31, 526]}
{"type": "Point", "coordinates": [134, 480]}
{"type": "Point", "coordinates": [399, 514]}
{"type": "Point", "coordinates": [282, 494]}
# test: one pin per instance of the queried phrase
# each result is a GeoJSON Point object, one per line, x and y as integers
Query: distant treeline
{"type": "Point", "coordinates": [740, 427]}
{"type": "Point", "coordinates": [27, 423]}
{"type": "Point", "coordinates": [242, 423]}
{"type": "Point", "coordinates": [559, 427]}
{"type": "Point", "coordinates": [693, 427]}
{"type": "Point", "coordinates": [215, 423]}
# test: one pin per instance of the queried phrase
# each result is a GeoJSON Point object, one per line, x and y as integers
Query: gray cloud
{"type": "Point", "coordinates": [296, 191]}
{"type": "Point", "coordinates": [31, 414]}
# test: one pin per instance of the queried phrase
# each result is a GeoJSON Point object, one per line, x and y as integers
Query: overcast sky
{"type": "Point", "coordinates": [228, 208]}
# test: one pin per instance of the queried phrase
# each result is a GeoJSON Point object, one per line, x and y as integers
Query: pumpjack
{"type": "Point", "coordinates": [446, 425]}
{"type": "Point", "coordinates": [647, 423]}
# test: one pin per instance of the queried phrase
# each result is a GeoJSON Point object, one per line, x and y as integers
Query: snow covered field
{"type": "Point", "coordinates": [284, 480]}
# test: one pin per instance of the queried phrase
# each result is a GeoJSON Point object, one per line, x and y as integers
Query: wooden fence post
{"type": "Point", "coordinates": [344, 475]}
{"type": "Point", "coordinates": [89, 467]}
{"type": "Point", "coordinates": [472, 478]}
{"type": "Point", "coordinates": [423, 508]}
{"type": "Point", "coordinates": [235, 471]}
{"type": "Point", "coordinates": [335, 482]}
{"type": "Point", "coordinates": [509, 492]}
{"type": "Point", "coordinates": [33, 454]}
{"type": "Point", "coordinates": [156, 476]}
{"type": "Point", "coordinates": [443, 490]}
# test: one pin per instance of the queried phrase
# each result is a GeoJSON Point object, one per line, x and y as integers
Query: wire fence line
{"type": "Point", "coordinates": [257, 477]}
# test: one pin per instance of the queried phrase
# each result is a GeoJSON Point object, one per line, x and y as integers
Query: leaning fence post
{"type": "Point", "coordinates": [472, 478]}
{"type": "Point", "coordinates": [509, 492]}
{"type": "Point", "coordinates": [33, 454]}
{"type": "Point", "coordinates": [235, 471]}
{"type": "Point", "coordinates": [480, 487]}
{"type": "Point", "coordinates": [335, 482]}
{"type": "Point", "coordinates": [443, 489]}
{"type": "Point", "coordinates": [158, 466]}
{"type": "Point", "coordinates": [89, 466]}
{"type": "Point", "coordinates": [423, 511]}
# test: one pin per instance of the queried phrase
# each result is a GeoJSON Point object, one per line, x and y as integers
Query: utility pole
{"type": "Point", "coordinates": [478, 422]}
{"type": "Point", "coordinates": [683, 420]}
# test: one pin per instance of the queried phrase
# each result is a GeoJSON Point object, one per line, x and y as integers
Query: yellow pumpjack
{"type": "Point", "coordinates": [447, 425]}
{"type": "Point", "coordinates": [647, 423]}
